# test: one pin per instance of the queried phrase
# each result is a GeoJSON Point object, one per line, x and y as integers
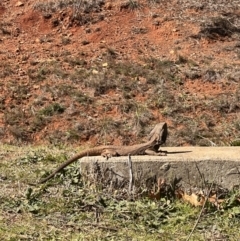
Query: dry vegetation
{"type": "Point", "coordinates": [74, 82]}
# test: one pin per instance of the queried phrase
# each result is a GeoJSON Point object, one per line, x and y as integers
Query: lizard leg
{"type": "Point", "coordinates": [108, 153]}
{"type": "Point", "coordinates": [155, 153]}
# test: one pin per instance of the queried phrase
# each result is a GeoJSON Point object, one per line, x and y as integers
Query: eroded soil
{"type": "Point", "coordinates": [107, 71]}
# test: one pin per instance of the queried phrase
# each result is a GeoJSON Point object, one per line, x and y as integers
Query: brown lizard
{"type": "Point", "coordinates": [161, 130]}
{"type": "Point", "coordinates": [156, 138]}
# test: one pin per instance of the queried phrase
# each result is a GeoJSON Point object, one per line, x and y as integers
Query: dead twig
{"type": "Point", "coordinates": [130, 175]}
{"type": "Point", "coordinates": [211, 142]}
{"type": "Point", "coordinates": [204, 204]}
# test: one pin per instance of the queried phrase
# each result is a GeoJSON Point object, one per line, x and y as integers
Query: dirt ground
{"type": "Point", "coordinates": [199, 39]}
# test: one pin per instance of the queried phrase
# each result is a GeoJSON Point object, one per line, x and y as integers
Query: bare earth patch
{"type": "Point", "coordinates": [109, 66]}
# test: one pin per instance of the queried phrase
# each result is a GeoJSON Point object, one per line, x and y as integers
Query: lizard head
{"type": "Point", "coordinates": [159, 133]}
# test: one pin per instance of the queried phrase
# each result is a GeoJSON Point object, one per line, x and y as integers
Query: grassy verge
{"type": "Point", "coordinates": [75, 207]}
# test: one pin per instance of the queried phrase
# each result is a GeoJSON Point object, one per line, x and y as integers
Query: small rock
{"type": "Point", "coordinates": [36, 87]}
{"type": "Point", "coordinates": [95, 71]}
{"type": "Point", "coordinates": [108, 6]}
{"type": "Point", "coordinates": [47, 15]}
{"type": "Point", "coordinates": [85, 42]}
{"type": "Point", "coordinates": [105, 64]}
{"type": "Point", "coordinates": [19, 4]}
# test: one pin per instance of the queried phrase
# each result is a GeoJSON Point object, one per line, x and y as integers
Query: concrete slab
{"type": "Point", "coordinates": [196, 166]}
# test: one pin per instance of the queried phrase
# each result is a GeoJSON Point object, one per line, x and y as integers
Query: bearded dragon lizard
{"type": "Point", "coordinates": [157, 137]}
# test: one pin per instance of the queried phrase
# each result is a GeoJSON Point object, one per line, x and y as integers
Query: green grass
{"type": "Point", "coordinates": [75, 207]}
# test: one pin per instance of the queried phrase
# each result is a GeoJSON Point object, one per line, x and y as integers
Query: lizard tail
{"type": "Point", "coordinates": [69, 161]}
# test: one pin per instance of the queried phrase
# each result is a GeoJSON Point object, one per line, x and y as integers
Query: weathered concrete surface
{"type": "Point", "coordinates": [195, 165]}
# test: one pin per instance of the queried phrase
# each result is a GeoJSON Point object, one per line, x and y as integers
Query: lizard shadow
{"type": "Point", "coordinates": [175, 152]}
